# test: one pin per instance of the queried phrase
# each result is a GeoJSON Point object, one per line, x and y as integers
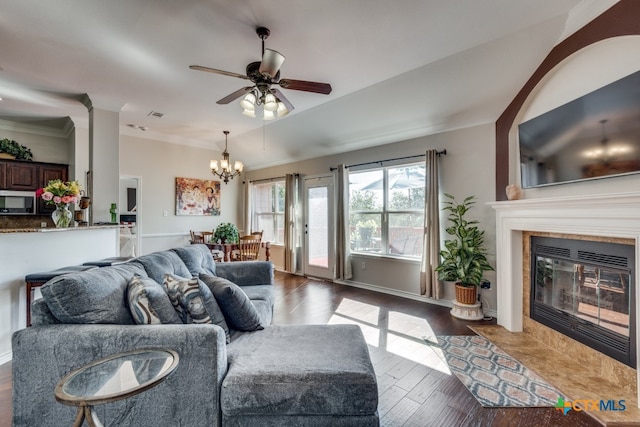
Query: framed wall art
{"type": "Point", "coordinates": [197, 197]}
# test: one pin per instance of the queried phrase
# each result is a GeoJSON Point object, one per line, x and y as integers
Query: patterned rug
{"type": "Point", "coordinates": [491, 375]}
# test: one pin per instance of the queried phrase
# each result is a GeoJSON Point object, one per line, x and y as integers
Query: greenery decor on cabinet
{"type": "Point", "coordinates": [226, 233]}
{"type": "Point", "coordinates": [20, 152]}
{"type": "Point", "coordinates": [464, 258]}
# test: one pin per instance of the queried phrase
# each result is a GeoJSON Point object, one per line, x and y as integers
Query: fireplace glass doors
{"type": "Point", "coordinates": [584, 289]}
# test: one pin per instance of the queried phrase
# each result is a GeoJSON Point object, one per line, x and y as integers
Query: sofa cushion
{"type": "Point", "coordinates": [95, 296]}
{"type": "Point", "coordinates": [149, 303]}
{"type": "Point", "coordinates": [197, 258]}
{"type": "Point", "coordinates": [186, 298]}
{"type": "Point", "coordinates": [236, 306]}
{"type": "Point", "coordinates": [299, 370]}
{"type": "Point", "coordinates": [157, 264]}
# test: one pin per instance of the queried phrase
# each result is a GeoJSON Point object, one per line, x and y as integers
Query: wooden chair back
{"type": "Point", "coordinates": [207, 236]}
{"type": "Point", "coordinates": [250, 247]}
{"type": "Point", "coordinates": [196, 237]}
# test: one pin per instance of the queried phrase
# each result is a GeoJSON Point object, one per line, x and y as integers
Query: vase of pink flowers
{"type": "Point", "coordinates": [62, 195]}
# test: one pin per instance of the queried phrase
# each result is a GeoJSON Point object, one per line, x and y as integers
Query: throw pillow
{"type": "Point", "coordinates": [236, 306]}
{"type": "Point", "coordinates": [186, 298]}
{"type": "Point", "coordinates": [149, 303]}
{"type": "Point", "coordinates": [212, 307]}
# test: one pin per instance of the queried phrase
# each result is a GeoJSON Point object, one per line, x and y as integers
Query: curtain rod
{"type": "Point", "coordinates": [275, 178]}
{"type": "Point", "coordinates": [380, 162]}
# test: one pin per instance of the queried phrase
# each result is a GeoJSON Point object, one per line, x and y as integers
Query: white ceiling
{"type": "Point", "coordinates": [399, 69]}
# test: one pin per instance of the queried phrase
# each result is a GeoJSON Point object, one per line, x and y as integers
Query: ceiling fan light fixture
{"type": "Point", "coordinates": [270, 102]}
{"type": "Point", "coordinates": [282, 110]}
{"type": "Point", "coordinates": [249, 113]}
{"type": "Point", "coordinates": [249, 102]}
{"type": "Point", "coordinates": [268, 115]}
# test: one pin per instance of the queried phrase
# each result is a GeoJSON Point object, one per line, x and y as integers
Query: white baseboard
{"type": "Point", "coordinates": [403, 294]}
{"type": "Point", "coordinates": [5, 358]}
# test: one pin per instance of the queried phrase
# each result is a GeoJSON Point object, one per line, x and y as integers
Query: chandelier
{"type": "Point", "coordinates": [263, 96]}
{"type": "Point", "coordinates": [224, 171]}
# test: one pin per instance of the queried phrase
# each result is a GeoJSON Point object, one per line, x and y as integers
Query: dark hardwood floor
{"type": "Point", "coordinates": [413, 389]}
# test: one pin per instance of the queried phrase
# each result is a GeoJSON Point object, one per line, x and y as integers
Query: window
{"type": "Point", "coordinates": [386, 208]}
{"type": "Point", "coordinates": [268, 210]}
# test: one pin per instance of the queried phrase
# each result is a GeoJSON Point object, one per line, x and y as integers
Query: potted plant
{"type": "Point", "coordinates": [226, 233]}
{"type": "Point", "coordinates": [464, 257]}
{"type": "Point", "coordinates": [15, 150]}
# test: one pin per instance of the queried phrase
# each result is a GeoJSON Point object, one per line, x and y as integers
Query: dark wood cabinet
{"type": "Point", "coordinates": [46, 173]}
{"type": "Point", "coordinates": [21, 176]}
{"type": "Point", "coordinates": [29, 176]}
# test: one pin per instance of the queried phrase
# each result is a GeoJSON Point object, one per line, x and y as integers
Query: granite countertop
{"type": "Point", "coordinates": [53, 229]}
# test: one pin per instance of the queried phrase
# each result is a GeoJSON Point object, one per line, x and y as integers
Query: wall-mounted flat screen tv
{"type": "Point", "coordinates": [594, 136]}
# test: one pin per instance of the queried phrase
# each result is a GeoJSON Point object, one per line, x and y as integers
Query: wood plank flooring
{"type": "Point", "coordinates": [413, 385]}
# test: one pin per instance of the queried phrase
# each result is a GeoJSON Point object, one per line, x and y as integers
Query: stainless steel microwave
{"type": "Point", "coordinates": [17, 202]}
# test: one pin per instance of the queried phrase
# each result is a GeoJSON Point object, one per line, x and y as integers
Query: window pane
{"type": "Point", "coordinates": [405, 234]}
{"type": "Point", "coordinates": [279, 229]}
{"type": "Point", "coordinates": [366, 232]}
{"type": "Point", "coordinates": [318, 227]}
{"type": "Point", "coordinates": [366, 191]}
{"type": "Point", "coordinates": [262, 198]}
{"type": "Point", "coordinates": [406, 188]}
{"type": "Point", "coordinates": [280, 199]}
{"type": "Point", "coordinates": [264, 223]}
{"type": "Point", "coordinates": [268, 205]}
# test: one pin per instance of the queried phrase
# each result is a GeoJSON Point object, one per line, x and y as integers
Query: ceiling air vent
{"type": "Point", "coordinates": [155, 114]}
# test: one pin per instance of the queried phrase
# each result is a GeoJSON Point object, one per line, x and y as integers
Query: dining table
{"type": "Point", "coordinates": [228, 248]}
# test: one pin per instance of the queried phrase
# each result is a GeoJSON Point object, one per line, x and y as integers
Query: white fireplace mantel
{"type": "Point", "coordinates": [606, 215]}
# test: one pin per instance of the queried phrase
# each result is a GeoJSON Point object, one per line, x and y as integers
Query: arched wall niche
{"type": "Point", "coordinates": [616, 23]}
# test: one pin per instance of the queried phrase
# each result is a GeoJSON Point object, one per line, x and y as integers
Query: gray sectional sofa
{"type": "Point", "coordinates": [307, 375]}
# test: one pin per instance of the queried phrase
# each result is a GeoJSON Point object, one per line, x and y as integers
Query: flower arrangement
{"type": "Point", "coordinates": [60, 193]}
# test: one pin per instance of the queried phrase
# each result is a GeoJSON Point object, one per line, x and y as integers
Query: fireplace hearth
{"type": "Point", "coordinates": [584, 290]}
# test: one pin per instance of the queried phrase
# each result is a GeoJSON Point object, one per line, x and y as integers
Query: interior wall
{"type": "Point", "coordinates": [158, 164]}
{"type": "Point", "coordinates": [467, 169]}
{"type": "Point", "coordinates": [48, 146]}
{"type": "Point", "coordinates": [581, 73]}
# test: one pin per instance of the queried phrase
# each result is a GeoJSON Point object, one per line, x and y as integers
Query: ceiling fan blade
{"type": "Point", "coordinates": [282, 98]}
{"type": "Point", "coordinates": [235, 95]}
{"type": "Point", "coordinates": [271, 62]}
{"type": "Point", "coordinates": [323, 88]}
{"type": "Point", "coordinates": [213, 70]}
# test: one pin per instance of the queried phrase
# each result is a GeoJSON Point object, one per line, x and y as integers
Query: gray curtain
{"type": "Point", "coordinates": [343, 239]}
{"type": "Point", "coordinates": [429, 284]}
{"type": "Point", "coordinates": [291, 205]}
{"type": "Point", "coordinates": [246, 199]}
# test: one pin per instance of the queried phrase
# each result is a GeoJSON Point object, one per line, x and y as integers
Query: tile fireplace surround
{"type": "Point", "coordinates": [610, 216]}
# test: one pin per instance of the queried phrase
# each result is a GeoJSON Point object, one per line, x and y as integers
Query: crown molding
{"type": "Point", "coordinates": [34, 129]}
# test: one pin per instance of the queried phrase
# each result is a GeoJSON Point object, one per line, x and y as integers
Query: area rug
{"type": "Point", "coordinates": [491, 375]}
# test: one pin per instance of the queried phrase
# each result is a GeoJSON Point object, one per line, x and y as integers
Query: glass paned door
{"type": "Point", "coordinates": [319, 231]}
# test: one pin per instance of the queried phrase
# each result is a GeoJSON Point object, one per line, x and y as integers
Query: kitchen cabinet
{"type": "Point", "coordinates": [21, 176]}
{"type": "Point", "coordinates": [29, 176]}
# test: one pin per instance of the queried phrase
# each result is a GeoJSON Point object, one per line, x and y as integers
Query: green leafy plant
{"type": "Point", "coordinates": [12, 147]}
{"type": "Point", "coordinates": [226, 233]}
{"type": "Point", "coordinates": [464, 259]}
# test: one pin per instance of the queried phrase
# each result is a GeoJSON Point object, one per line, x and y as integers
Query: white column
{"type": "Point", "coordinates": [104, 162]}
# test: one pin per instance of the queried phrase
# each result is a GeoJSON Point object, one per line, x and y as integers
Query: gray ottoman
{"type": "Point", "coordinates": [310, 375]}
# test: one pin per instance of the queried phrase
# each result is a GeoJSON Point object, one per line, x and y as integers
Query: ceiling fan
{"type": "Point", "coordinates": [265, 74]}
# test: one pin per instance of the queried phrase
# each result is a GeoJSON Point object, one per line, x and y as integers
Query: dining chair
{"type": "Point", "coordinates": [249, 247]}
{"type": "Point", "coordinates": [196, 237]}
{"type": "Point", "coordinates": [207, 236]}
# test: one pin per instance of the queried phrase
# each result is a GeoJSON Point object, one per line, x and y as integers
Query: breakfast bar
{"type": "Point", "coordinates": [30, 250]}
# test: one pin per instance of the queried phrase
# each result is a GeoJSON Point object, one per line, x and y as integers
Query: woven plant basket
{"type": "Point", "coordinates": [466, 295]}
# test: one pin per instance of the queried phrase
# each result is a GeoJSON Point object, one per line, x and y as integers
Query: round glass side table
{"type": "Point", "coordinates": [116, 377]}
